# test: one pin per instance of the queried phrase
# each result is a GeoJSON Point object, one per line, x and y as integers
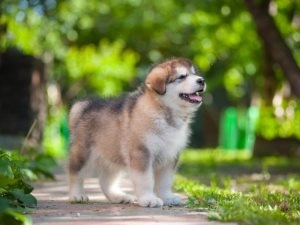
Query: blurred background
{"type": "Point", "coordinates": [53, 52]}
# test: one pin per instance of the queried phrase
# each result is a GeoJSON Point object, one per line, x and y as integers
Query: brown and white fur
{"type": "Point", "coordinates": [141, 133]}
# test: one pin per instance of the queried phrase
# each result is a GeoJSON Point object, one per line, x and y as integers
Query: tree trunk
{"type": "Point", "coordinates": [274, 43]}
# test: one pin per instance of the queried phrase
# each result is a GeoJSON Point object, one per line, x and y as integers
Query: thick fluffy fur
{"type": "Point", "coordinates": [141, 133]}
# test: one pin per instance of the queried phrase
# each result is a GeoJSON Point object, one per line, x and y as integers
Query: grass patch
{"type": "Point", "coordinates": [235, 187]}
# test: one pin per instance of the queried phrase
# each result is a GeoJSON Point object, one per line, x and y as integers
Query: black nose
{"type": "Point", "coordinates": [201, 81]}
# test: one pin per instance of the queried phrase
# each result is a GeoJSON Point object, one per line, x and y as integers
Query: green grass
{"type": "Point", "coordinates": [235, 187]}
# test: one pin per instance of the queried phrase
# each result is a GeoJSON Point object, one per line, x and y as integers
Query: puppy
{"type": "Point", "coordinates": [141, 133]}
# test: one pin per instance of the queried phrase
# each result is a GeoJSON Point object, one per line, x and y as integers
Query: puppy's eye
{"type": "Point", "coordinates": [181, 77]}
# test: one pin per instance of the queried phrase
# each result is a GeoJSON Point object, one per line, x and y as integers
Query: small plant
{"type": "Point", "coordinates": [15, 191]}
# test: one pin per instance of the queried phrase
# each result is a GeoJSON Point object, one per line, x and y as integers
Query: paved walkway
{"type": "Point", "coordinates": [54, 209]}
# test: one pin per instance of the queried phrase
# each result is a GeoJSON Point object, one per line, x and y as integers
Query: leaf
{"type": "Point", "coordinates": [4, 204]}
{"type": "Point", "coordinates": [5, 169]}
{"type": "Point", "coordinates": [45, 161]}
{"type": "Point", "coordinates": [11, 217]}
{"type": "Point", "coordinates": [29, 174]}
{"type": "Point", "coordinates": [27, 188]}
{"type": "Point", "coordinates": [44, 172]}
{"type": "Point", "coordinates": [6, 181]}
{"type": "Point", "coordinates": [27, 200]}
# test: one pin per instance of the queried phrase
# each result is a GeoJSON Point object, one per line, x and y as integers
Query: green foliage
{"type": "Point", "coordinates": [218, 35]}
{"type": "Point", "coordinates": [104, 68]}
{"type": "Point", "coordinates": [241, 189]}
{"type": "Point", "coordinates": [15, 191]}
{"type": "Point", "coordinates": [55, 141]}
{"type": "Point", "coordinates": [279, 121]}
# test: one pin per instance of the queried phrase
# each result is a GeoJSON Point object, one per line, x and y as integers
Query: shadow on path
{"type": "Point", "coordinates": [53, 208]}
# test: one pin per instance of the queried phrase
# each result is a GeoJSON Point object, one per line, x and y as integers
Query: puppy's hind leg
{"type": "Point", "coordinates": [77, 172]}
{"type": "Point", "coordinates": [109, 178]}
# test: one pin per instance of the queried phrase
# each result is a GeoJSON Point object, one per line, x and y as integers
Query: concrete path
{"type": "Point", "coordinates": [54, 209]}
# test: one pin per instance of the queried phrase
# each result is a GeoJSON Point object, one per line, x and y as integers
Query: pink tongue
{"type": "Point", "coordinates": [195, 97]}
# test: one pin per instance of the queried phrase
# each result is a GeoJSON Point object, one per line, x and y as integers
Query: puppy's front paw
{"type": "Point", "coordinates": [120, 198]}
{"type": "Point", "coordinates": [80, 198]}
{"type": "Point", "coordinates": [150, 201]}
{"type": "Point", "coordinates": [172, 200]}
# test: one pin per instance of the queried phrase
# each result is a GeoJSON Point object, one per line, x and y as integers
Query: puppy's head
{"type": "Point", "coordinates": [176, 82]}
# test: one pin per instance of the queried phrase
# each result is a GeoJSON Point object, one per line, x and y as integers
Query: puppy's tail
{"type": "Point", "coordinates": [76, 112]}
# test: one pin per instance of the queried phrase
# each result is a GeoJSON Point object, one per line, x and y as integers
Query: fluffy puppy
{"type": "Point", "coordinates": [141, 133]}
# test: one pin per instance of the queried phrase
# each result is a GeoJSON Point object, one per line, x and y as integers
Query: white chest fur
{"type": "Point", "coordinates": [166, 140]}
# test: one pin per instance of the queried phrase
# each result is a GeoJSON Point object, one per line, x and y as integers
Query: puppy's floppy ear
{"type": "Point", "coordinates": [157, 80]}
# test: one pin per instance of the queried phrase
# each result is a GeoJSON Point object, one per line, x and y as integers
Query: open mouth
{"type": "Point", "coordinates": [194, 98]}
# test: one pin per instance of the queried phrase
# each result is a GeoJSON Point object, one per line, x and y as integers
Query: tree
{"type": "Point", "coordinates": [77, 39]}
{"type": "Point", "coordinates": [273, 42]}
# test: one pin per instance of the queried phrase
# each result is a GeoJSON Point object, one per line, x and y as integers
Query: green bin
{"type": "Point", "coordinates": [237, 128]}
